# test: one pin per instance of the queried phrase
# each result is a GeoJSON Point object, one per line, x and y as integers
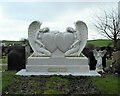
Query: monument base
{"type": "Point", "coordinates": [23, 72]}
{"type": "Point", "coordinates": [57, 64]}
{"type": "Point", "coordinates": [76, 66]}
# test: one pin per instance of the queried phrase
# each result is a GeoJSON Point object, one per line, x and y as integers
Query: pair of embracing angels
{"type": "Point", "coordinates": [41, 47]}
{"type": "Point", "coordinates": [69, 47]}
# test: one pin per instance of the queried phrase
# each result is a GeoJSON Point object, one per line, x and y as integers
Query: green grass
{"type": "Point", "coordinates": [109, 62]}
{"type": "Point", "coordinates": [3, 68]}
{"type": "Point", "coordinates": [57, 85]}
{"type": "Point", "coordinates": [99, 42]}
{"type": "Point", "coordinates": [7, 78]}
{"type": "Point", "coordinates": [11, 42]}
{"type": "Point", "coordinates": [108, 84]}
{"type": "Point", "coordinates": [4, 60]}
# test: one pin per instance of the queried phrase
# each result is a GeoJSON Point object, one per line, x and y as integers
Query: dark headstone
{"type": "Point", "coordinates": [118, 44]}
{"type": "Point", "coordinates": [116, 63]}
{"type": "Point", "coordinates": [86, 52]}
{"type": "Point", "coordinates": [109, 52]}
{"type": "Point", "coordinates": [16, 58]}
{"type": "Point", "coordinates": [104, 61]}
{"type": "Point", "coordinates": [92, 61]}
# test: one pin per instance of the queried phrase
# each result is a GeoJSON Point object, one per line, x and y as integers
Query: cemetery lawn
{"type": "Point", "coordinates": [4, 60]}
{"type": "Point", "coordinates": [100, 42]}
{"type": "Point", "coordinates": [2, 68]}
{"type": "Point", "coordinates": [106, 84]}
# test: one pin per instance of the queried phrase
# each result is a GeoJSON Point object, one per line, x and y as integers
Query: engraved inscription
{"type": "Point", "coordinates": [57, 69]}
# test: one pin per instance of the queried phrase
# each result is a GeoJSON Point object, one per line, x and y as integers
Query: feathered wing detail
{"type": "Point", "coordinates": [34, 27]}
{"type": "Point", "coordinates": [82, 28]}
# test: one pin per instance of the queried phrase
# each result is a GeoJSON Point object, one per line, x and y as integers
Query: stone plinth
{"type": "Point", "coordinates": [76, 66]}
{"type": "Point", "coordinates": [57, 64]}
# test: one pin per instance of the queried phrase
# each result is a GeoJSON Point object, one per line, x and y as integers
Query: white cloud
{"type": "Point", "coordinates": [14, 29]}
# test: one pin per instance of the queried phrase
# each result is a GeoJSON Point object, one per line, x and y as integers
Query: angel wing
{"type": "Point", "coordinates": [33, 28]}
{"type": "Point", "coordinates": [82, 28]}
{"type": "Point", "coordinates": [103, 53]}
{"type": "Point", "coordinates": [95, 53]}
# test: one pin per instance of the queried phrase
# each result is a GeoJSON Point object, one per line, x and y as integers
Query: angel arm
{"type": "Point", "coordinates": [78, 39]}
{"type": "Point", "coordinates": [40, 43]}
{"type": "Point", "coordinates": [103, 53]}
{"type": "Point", "coordinates": [76, 42]}
{"type": "Point", "coordinates": [37, 37]}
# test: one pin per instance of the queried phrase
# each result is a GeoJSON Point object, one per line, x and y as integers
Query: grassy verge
{"type": "Point", "coordinates": [46, 85]}
{"type": "Point", "coordinates": [107, 84]}
{"type": "Point", "coordinates": [3, 68]}
{"type": "Point", "coordinates": [7, 78]}
{"type": "Point", "coordinates": [4, 60]}
{"type": "Point", "coordinates": [99, 42]}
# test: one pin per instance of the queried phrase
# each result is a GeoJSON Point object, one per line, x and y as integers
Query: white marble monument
{"type": "Point", "coordinates": [57, 52]}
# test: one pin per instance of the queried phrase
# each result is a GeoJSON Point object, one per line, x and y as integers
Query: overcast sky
{"type": "Point", "coordinates": [15, 17]}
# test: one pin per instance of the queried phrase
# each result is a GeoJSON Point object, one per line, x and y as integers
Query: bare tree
{"type": "Point", "coordinates": [109, 25]}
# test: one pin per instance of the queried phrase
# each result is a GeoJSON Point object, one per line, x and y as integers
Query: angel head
{"type": "Point", "coordinates": [44, 30]}
{"type": "Point", "coordinates": [78, 22]}
{"type": "Point", "coordinates": [70, 29]}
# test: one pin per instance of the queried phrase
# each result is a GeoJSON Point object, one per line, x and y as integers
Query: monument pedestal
{"type": "Point", "coordinates": [57, 64]}
{"type": "Point", "coordinates": [76, 66]}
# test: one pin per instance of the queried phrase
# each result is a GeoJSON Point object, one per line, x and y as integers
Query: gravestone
{"type": "Point", "coordinates": [118, 44]}
{"type": "Point", "coordinates": [116, 57]}
{"type": "Point", "coordinates": [92, 60]}
{"type": "Point", "coordinates": [116, 64]}
{"type": "Point", "coordinates": [16, 58]}
{"type": "Point", "coordinates": [86, 52]}
{"type": "Point", "coordinates": [57, 52]}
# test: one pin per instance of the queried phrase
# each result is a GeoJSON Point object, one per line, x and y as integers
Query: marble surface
{"type": "Point", "coordinates": [57, 53]}
{"type": "Point", "coordinates": [23, 72]}
{"type": "Point", "coordinates": [45, 42]}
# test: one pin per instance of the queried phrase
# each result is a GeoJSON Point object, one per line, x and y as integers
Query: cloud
{"type": "Point", "coordinates": [14, 25]}
{"type": "Point", "coordinates": [13, 29]}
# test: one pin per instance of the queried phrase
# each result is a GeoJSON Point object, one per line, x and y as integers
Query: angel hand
{"type": "Point", "coordinates": [72, 46]}
{"type": "Point", "coordinates": [43, 45]}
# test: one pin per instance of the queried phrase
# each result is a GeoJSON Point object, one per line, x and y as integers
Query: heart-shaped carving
{"type": "Point", "coordinates": [64, 41]}
{"type": "Point", "coordinates": [48, 40]}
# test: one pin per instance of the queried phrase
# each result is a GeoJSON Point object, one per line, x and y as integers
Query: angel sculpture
{"type": "Point", "coordinates": [80, 38]}
{"type": "Point", "coordinates": [45, 44]}
{"type": "Point", "coordinates": [98, 56]}
{"type": "Point", "coordinates": [35, 37]}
